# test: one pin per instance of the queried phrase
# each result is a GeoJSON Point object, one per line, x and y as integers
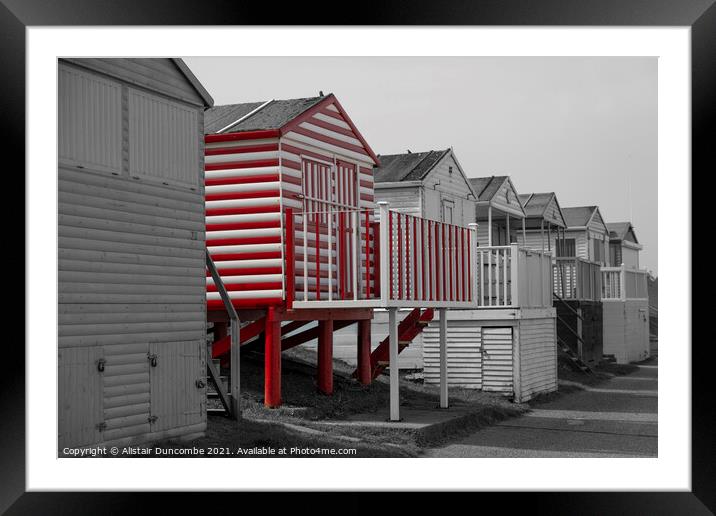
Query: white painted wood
{"type": "Point", "coordinates": [393, 361]}
{"type": "Point", "coordinates": [443, 359]}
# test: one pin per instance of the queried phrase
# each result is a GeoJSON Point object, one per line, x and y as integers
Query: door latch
{"type": "Point", "coordinates": [152, 357]}
{"type": "Point", "coordinates": [100, 364]}
{"type": "Point", "coordinates": [200, 384]}
{"type": "Point", "coordinates": [152, 419]}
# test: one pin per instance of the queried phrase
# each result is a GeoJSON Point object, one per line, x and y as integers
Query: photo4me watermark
{"type": "Point", "coordinates": [194, 451]}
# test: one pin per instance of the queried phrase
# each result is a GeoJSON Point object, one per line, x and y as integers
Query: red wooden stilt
{"type": "Point", "coordinates": [272, 360]}
{"type": "Point", "coordinates": [364, 372]}
{"type": "Point", "coordinates": [325, 356]}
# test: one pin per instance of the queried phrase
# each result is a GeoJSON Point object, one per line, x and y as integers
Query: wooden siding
{"type": "Point", "coordinates": [406, 199]}
{"type": "Point", "coordinates": [552, 213]}
{"type": "Point", "coordinates": [131, 268]}
{"type": "Point", "coordinates": [157, 75]}
{"type": "Point", "coordinates": [464, 349]}
{"type": "Point", "coordinates": [440, 186]}
{"type": "Point", "coordinates": [626, 330]}
{"type": "Point", "coordinates": [163, 143]}
{"type": "Point", "coordinates": [537, 357]}
{"type": "Point", "coordinates": [89, 120]}
{"type": "Point", "coordinates": [497, 358]}
{"type": "Point", "coordinates": [243, 219]}
{"type": "Point", "coordinates": [506, 199]}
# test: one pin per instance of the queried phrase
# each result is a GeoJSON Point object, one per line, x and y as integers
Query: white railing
{"type": "Point", "coordinates": [512, 276]}
{"type": "Point", "coordinates": [576, 278]}
{"type": "Point", "coordinates": [622, 283]}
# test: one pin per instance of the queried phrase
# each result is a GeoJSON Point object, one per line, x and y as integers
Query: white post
{"type": "Point", "coordinates": [507, 217]}
{"type": "Point", "coordinates": [473, 263]}
{"type": "Point", "coordinates": [355, 266]}
{"type": "Point", "coordinates": [489, 225]}
{"type": "Point", "coordinates": [524, 232]}
{"type": "Point", "coordinates": [384, 258]}
{"type": "Point", "coordinates": [541, 232]}
{"type": "Point", "coordinates": [622, 281]}
{"type": "Point", "coordinates": [393, 364]}
{"type": "Point", "coordinates": [514, 273]}
{"type": "Point", "coordinates": [443, 359]}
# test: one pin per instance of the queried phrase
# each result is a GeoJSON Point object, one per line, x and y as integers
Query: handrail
{"type": "Point", "coordinates": [235, 342]}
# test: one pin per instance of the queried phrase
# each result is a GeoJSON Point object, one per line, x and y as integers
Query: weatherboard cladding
{"type": "Point", "coordinates": [252, 180]}
{"type": "Point", "coordinates": [131, 260]}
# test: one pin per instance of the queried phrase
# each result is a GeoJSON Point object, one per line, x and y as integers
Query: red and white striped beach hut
{"type": "Point", "coordinates": [294, 238]}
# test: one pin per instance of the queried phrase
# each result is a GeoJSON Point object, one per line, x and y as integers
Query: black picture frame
{"type": "Point", "coordinates": [700, 15]}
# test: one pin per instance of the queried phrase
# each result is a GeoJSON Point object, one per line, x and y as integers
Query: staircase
{"type": "Point", "coordinates": [567, 352]}
{"type": "Point", "coordinates": [408, 329]}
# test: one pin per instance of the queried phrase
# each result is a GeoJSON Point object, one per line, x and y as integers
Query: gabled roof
{"type": "Point", "coordinates": [620, 230]}
{"type": "Point", "coordinates": [578, 216]}
{"type": "Point", "coordinates": [278, 115]}
{"type": "Point", "coordinates": [411, 166]}
{"type": "Point", "coordinates": [184, 69]}
{"type": "Point", "coordinates": [274, 115]}
{"type": "Point", "coordinates": [487, 187]}
{"type": "Point", "coordinates": [536, 204]}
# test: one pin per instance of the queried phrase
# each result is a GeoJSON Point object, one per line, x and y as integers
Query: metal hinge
{"type": "Point", "coordinates": [101, 426]}
{"type": "Point", "coordinates": [152, 419]}
{"type": "Point", "coordinates": [100, 364]}
{"type": "Point", "coordinates": [152, 357]}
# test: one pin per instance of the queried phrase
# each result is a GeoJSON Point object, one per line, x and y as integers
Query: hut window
{"type": "Point", "coordinates": [159, 127]}
{"type": "Point", "coordinates": [89, 125]}
{"type": "Point", "coordinates": [566, 248]}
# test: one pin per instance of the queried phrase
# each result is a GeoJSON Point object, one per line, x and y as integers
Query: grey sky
{"type": "Point", "coordinates": [585, 128]}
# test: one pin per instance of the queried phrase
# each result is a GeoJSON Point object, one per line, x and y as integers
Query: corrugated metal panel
{"type": "Point", "coordinates": [79, 400]}
{"type": "Point", "coordinates": [464, 350]}
{"type": "Point", "coordinates": [538, 357]}
{"type": "Point", "coordinates": [497, 374]}
{"type": "Point", "coordinates": [89, 120]}
{"type": "Point", "coordinates": [176, 399]}
{"type": "Point", "coordinates": [162, 139]}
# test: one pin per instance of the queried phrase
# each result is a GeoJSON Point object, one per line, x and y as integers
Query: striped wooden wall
{"type": "Point", "coordinates": [250, 182]}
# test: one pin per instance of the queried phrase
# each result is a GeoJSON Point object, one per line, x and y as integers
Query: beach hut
{"type": "Point", "coordinates": [623, 245]}
{"type": "Point", "coordinates": [544, 222]}
{"type": "Point", "coordinates": [498, 211]}
{"type": "Point", "coordinates": [507, 342]}
{"type": "Point", "coordinates": [296, 239]}
{"type": "Point", "coordinates": [629, 313]}
{"type": "Point", "coordinates": [131, 257]}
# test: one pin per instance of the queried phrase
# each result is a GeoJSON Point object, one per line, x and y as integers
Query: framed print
{"type": "Point", "coordinates": [427, 240]}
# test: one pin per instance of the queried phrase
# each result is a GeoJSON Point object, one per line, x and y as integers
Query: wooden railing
{"type": "Point", "coordinates": [330, 255]}
{"type": "Point", "coordinates": [424, 262]}
{"type": "Point", "coordinates": [622, 283]}
{"type": "Point", "coordinates": [576, 278]}
{"type": "Point", "coordinates": [512, 276]}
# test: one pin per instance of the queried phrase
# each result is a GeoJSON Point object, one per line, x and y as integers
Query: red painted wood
{"type": "Point", "coordinates": [400, 257]}
{"type": "Point", "coordinates": [325, 356]}
{"type": "Point", "coordinates": [367, 254]}
{"type": "Point", "coordinates": [242, 241]}
{"type": "Point", "coordinates": [248, 271]}
{"type": "Point", "coordinates": [256, 224]}
{"type": "Point", "coordinates": [272, 360]}
{"type": "Point", "coordinates": [318, 261]}
{"type": "Point", "coordinates": [242, 164]}
{"type": "Point", "coordinates": [242, 180]}
{"type": "Point", "coordinates": [245, 135]}
{"type": "Point", "coordinates": [363, 371]}
{"type": "Point", "coordinates": [218, 304]}
{"type": "Point", "coordinates": [376, 254]}
{"type": "Point", "coordinates": [272, 193]}
{"type": "Point", "coordinates": [266, 255]}
{"type": "Point", "coordinates": [432, 260]}
{"type": "Point", "coordinates": [331, 141]}
{"type": "Point", "coordinates": [217, 151]}
{"type": "Point", "coordinates": [290, 260]}
{"type": "Point", "coordinates": [248, 210]}
{"type": "Point", "coordinates": [243, 287]}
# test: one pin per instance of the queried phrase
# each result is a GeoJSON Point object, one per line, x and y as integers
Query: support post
{"type": "Point", "coordinates": [524, 232]}
{"type": "Point", "coordinates": [507, 221]}
{"type": "Point", "coordinates": [580, 350]}
{"type": "Point", "coordinates": [383, 262]}
{"type": "Point", "coordinates": [475, 271]}
{"type": "Point", "coordinates": [393, 364]}
{"type": "Point", "coordinates": [364, 371]}
{"type": "Point", "coordinates": [325, 356]}
{"type": "Point", "coordinates": [541, 232]}
{"type": "Point", "coordinates": [443, 359]}
{"type": "Point", "coordinates": [272, 360]}
{"type": "Point", "coordinates": [235, 364]}
{"type": "Point", "coordinates": [489, 225]}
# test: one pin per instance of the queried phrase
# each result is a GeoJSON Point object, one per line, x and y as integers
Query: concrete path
{"type": "Point", "coordinates": [616, 419]}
